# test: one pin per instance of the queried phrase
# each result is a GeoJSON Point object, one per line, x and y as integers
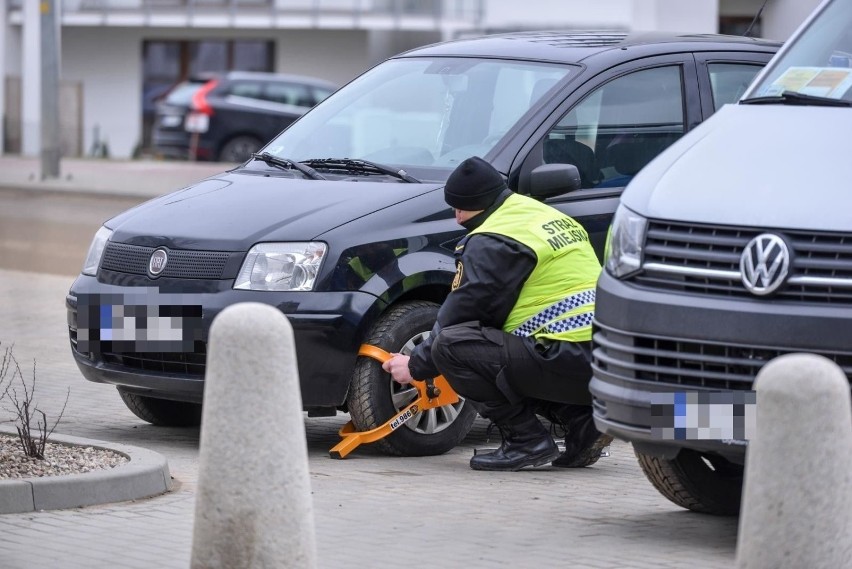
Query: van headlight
{"type": "Point", "coordinates": [281, 266]}
{"type": "Point", "coordinates": [96, 251]}
{"type": "Point", "coordinates": [624, 243]}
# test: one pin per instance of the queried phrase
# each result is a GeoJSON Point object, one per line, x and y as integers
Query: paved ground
{"type": "Point", "coordinates": [371, 511]}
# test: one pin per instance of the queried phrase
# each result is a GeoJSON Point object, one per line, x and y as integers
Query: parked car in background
{"type": "Point", "coordinates": [341, 222]}
{"type": "Point", "coordinates": [733, 248]}
{"type": "Point", "coordinates": [226, 117]}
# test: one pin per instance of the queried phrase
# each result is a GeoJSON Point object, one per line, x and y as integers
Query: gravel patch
{"type": "Point", "coordinates": [58, 460]}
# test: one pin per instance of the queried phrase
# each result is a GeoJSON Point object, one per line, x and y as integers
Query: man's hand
{"type": "Point", "coordinates": [397, 366]}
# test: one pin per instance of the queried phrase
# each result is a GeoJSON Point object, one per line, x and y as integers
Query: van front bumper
{"type": "Point", "coordinates": [650, 341]}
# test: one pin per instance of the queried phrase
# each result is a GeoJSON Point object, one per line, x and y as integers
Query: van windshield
{"type": "Point", "coordinates": [421, 114]}
{"type": "Point", "coordinates": [817, 64]}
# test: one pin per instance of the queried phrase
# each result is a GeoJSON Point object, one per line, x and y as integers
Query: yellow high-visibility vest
{"type": "Point", "coordinates": [557, 300]}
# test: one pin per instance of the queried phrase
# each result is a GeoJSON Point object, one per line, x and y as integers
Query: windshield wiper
{"type": "Point", "coordinates": [360, 165]}
{"type": "Point", "coordinates": [288, 164]}
{"type": "Point", "coordinates": [793, 98]}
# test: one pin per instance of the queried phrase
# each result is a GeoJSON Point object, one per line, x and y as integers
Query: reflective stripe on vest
{"type": "Point", "coordinates": [540, 321]}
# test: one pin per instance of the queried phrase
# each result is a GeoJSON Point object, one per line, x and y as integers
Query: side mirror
{"type": "Point", "coordinates": [550, 180]}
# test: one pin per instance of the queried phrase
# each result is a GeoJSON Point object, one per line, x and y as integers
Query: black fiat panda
{"type": "Point", "coordinates": [340, 222]}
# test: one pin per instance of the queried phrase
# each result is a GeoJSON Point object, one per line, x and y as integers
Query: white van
{"type": "Point", "coordinates": [729, 249]}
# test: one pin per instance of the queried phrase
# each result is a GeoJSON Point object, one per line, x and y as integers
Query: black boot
{"type": "Point", "coordinates": [526, 442]}
{"type": "Point", "coordinates": [583, 442]}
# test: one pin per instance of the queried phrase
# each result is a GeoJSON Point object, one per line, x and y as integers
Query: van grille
{"type": "Point", "coordinates": [706, 260]}
{"type": "Point", "coordinates": [182, 264]}
{"type": "Point", "coordinates": [688, 363]}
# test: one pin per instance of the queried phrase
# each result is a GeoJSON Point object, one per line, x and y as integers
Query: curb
{"type": "Point", "coordinates": [146, 474]}
{"type": "Point", "coordinates": [81, 191]}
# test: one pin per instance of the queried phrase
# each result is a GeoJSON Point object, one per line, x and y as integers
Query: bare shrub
{"type": "Point", "coordinates": [30, 421]}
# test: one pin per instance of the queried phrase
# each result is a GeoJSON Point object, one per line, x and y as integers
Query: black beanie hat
{"type": "Point", "coordinates": [473, 185]}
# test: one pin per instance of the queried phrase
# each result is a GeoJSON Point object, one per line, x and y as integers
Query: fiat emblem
{"type": "Point", "coordinates": [158, 261]}
{"type": "Point", "coordinates": [764, 264]}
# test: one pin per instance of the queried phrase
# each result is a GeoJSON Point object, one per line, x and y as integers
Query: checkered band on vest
{"type": "Point", "coordinates": [554, 311]}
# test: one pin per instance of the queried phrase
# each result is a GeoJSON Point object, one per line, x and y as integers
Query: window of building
{"type": "Point", "coordinates": [738, 25]}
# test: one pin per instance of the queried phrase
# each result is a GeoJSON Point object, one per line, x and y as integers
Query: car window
{"type": "Point", "coordinates": [321, 93]}
{"type": "Point", "coordinates": [729, 81]}
{"type": "Point", "coordinates": [182, 93]}
{"type": "Point", "coordinates": [619, 127]}
{"type": "Point", "coordinates": [429, 112]}
{"type": "Point", "coordinates": [289, 94]}
{"type": "Point", "coordinates": [250, 89]}
{"type": "Point", "coordinates": [818, 62]}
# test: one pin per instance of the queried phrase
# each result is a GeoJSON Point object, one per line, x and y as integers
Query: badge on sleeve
{"type": "Point", "coordinates": [459, 273]}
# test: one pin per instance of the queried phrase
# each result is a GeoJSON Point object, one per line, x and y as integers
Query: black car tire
{"type": "Point", "coordinates": [370, 400]}
{"type": "Point", "coordinates": [239, 149]}
{"type": "Point", "coordinates": [701, 483]}
{"type": "Point", "coordinates": [162, 412]}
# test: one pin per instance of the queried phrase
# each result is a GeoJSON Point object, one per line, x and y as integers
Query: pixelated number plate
{"type": "Point", "coordinates": [726, 416]}
{"type": "Point", "coordinates": [104, 325]}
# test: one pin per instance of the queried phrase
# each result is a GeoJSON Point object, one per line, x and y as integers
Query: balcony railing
{"type": "Point", "coordinates": [435, 13]}
{"type": "Point", "coordinates": [456, 9]}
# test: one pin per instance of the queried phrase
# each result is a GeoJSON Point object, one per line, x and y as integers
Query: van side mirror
{"type": "Point", "coordinates": [550, 180]}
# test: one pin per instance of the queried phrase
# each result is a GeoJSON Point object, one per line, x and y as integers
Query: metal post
{"type": "Point", "coordinates": [50, 134]}
{"type": "Point", "coordinates": [3, 28]}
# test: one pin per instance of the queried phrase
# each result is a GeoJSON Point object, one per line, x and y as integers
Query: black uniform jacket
{"type": "Point", "coordinates": [491, 270]}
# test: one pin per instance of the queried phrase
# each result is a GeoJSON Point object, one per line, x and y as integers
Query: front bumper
{"type": "Point", "coordinates": [650, 341]}
{"type": "Point", "coordinates": [327, 327]}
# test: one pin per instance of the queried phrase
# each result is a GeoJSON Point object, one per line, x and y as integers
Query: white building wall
{"type": "Point", "coordinates": [108, 63]}
{"type": "Point", "coordinates": [692, 16]}
{"type": "Point", "coordinates": [696, 16]}
{"type": "Point", "coordinates": [782, 17]}
{"type": "Point", "coordinates": [112, 78]}
{"type": "Point", "coordinates": [336, 55]}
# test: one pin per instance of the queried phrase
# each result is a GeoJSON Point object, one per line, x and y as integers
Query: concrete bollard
{"type": "Point", "coordinates": [253, 507]}
{"type": "Point", "coordinates": [797, 499]}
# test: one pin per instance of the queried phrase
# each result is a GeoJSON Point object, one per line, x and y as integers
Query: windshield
{"type": "Point", "coordinates": [818, 62]}
{"type": "Point", "coordinates": [420, 114]}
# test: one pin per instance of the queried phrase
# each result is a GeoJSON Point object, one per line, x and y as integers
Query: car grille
{"type": "Point", "coordinates": [182, 264]}
{"type": "Point", "coordinates": [181, 363]}
{"type": "Point", "coordinates": [687, 363]}
{"type": "Point", "coordinates": [190, 364]}
{"type": "Point", "coordinates": [706, 260]}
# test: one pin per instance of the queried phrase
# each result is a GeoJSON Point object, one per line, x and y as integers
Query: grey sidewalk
{"type": "Point", "coordinates": [371, 511]}
{"type": "Point", "coordinates": [136, 178]}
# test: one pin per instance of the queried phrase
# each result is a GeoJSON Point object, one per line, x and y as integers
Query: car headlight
{"type": "Point", "coordinates": [281, 266]}
{"type": "Point", "coordinates": [96, 251]}
{"type": "Point", "coordinates": [624, 243]}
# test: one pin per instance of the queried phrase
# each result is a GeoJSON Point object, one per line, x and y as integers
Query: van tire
{"type": "Point", "coordinates": [691, 483]}
{"type": "Point", "coordinates": [370, 400]}
{"type": "Point", "coordinates": [162, 412]}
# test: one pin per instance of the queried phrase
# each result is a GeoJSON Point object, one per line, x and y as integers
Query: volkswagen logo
{"type": "Point", "coordinates": [764, 264]}
{"type": "Point", "coordinates": [158, 261]}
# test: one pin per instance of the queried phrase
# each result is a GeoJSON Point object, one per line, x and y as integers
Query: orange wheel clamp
{"type": "Point", "coordinates": [430, 394]}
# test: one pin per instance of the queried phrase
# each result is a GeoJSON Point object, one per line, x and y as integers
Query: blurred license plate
{"type": "Point", "coordinates": [170, 121]}
{"type": "Point", "coordinates": [196, 122]}
{"type": "Point", "coordinates": [137, 323]}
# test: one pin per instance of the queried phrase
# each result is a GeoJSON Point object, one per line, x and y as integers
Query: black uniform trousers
{"type": "Point", "coordinates": [507, 376]}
